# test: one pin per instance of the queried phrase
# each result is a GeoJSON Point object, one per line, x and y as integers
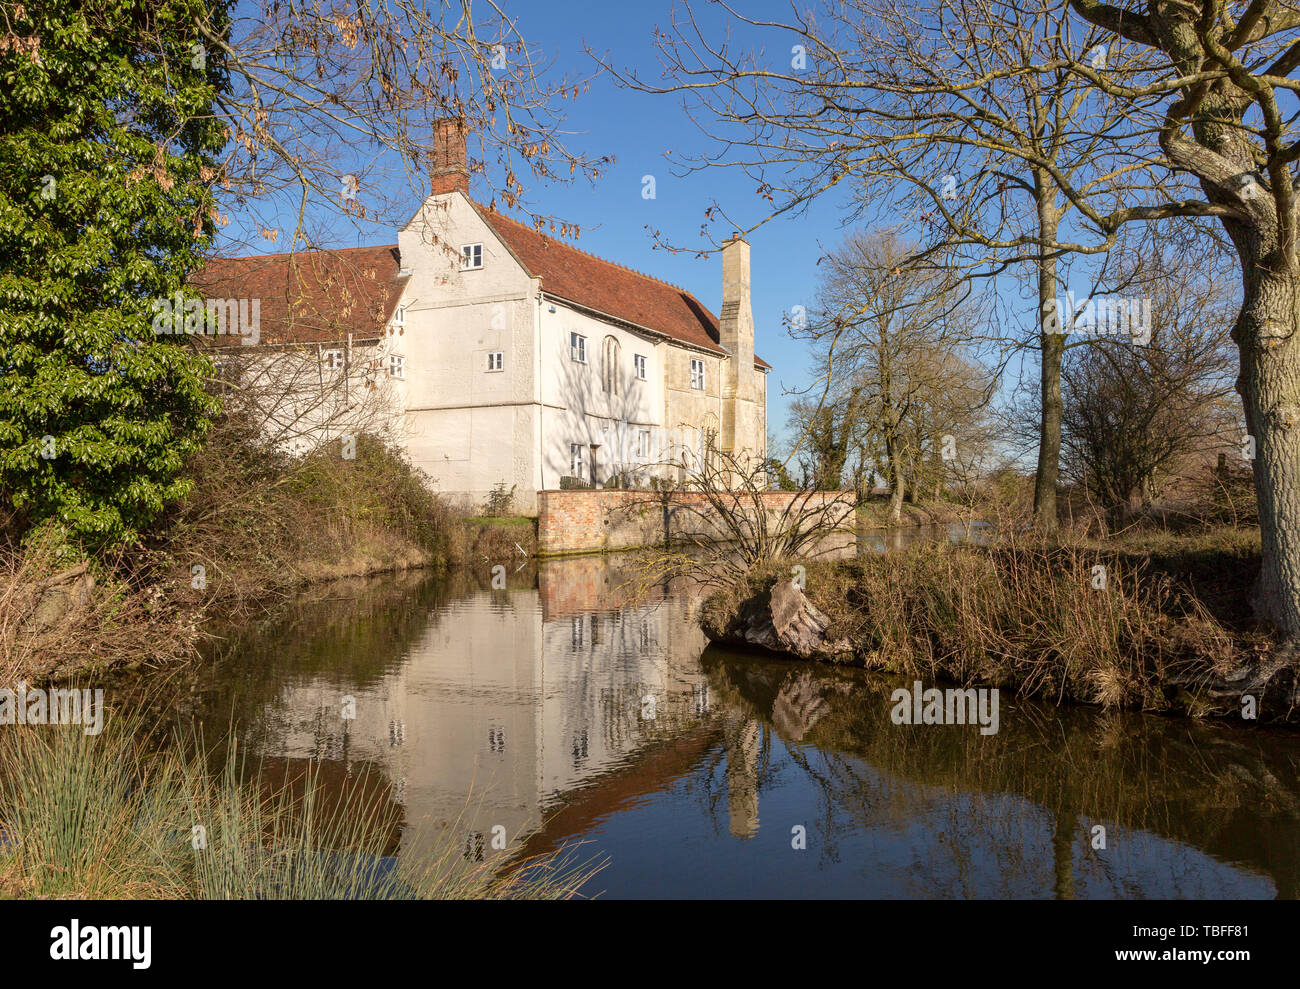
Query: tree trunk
{"type": "Point", "coordinates": [1052, 346]}
{"type": "Point", "coordinates": [896, 484]}
{"type": "Point", "coordinates": [1267, 333]}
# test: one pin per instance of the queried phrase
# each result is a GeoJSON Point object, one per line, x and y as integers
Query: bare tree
{"type": "Point", "coordinates": [334, 107]}
{"type": "Point", "coordinates": [725, 520]}
{"type": "Point", "coordinates": [885, 337]}
{"type": "Point", "coordinates": [949, 113]}
{"type": "Point", "coordinates": [296, 398]}
{"type": "Point", "coordinates": [1225, 119]}
{"type": "Point", "coordinates": [1138, 412]}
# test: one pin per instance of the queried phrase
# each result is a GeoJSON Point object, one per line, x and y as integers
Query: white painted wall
{"type": "Point", "coordinates": [467, 427]}
{"type": "Point", "coordinates": [578, 409]}
{"type": "Point", "coordinates": [470, 428]}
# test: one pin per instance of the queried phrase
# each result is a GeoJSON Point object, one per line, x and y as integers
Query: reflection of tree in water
{"type": "Point", "coordinates": [1023, 802]}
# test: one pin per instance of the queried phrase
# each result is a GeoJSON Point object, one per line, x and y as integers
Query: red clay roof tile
{"type": "Point", "coordinates": [310, 296]}
{"type": "Point", "coordinates": [321, 296]}
{"type": "Point", "coordinates": [594, 283]}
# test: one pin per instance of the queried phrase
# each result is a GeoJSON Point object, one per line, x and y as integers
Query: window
{"type": "Point", "coordinates": [397, 365]}
{"type": "Point", "coordinates": [399, 316]}
{"type": "Point", "coordinates": [471, 257]}
{"type": "Point", "coordinates": [577, 459]}
{"type": "Point", "coordinates": [643, 444]}
{"type": "Point", "coordinates": [333, 359]}
{"type": "Point", "coordinates": [578, 347]}
{"type": "Point", "coordinates": [496, 361]}
{"type": "Point", "coordinates": [697, 374]}
{"type": "Point", "coordinates": [580, 744]}
{"type": "Point", "coordinates": [609, 366]}
{"type": "Point", "coordinates": [639, 362]}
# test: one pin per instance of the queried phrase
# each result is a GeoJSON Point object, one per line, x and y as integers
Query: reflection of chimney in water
{"type": "Point", "coordinates": [741, 739]}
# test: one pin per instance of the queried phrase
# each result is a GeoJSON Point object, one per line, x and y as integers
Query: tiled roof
{"type": "Point", "coordinates": [321, 296]}
{"type": "Point", "coordinates": [594, 283]}
{"type": "Point", "coordinates": [310, 296]}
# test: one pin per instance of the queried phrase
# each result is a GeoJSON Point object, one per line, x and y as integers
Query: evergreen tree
{"type": "Point", "coordinates": [108, 146]}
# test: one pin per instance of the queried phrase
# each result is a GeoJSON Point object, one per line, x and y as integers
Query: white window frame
{"type": "Point", "coordinates": [639, 362]}
{"type": "Point", "coordinates": [697, 374]}
{"type": "Point", "coordinates": [577, 348]}
{"type": "Point", "coordinates": [643, 444]}
{"type": "Point", "coordinates": [496, 361]}
{"type": "Point", "coordinates": [471, 257]}
{"type": "Point", "coordinates": [399, 316]}
{"type": "Point", "coordinates": [578, 460]}
{"type": "Point", "coordinates": [332, 359]}
{"type": "Point", "coordinates": [396, 366]}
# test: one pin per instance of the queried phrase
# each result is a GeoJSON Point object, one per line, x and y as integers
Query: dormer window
{"type": "Point", "coordinates": [471, 257]}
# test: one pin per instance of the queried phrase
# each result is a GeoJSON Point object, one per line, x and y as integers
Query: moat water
{"type": "Point", "coordinates": [574, 714]}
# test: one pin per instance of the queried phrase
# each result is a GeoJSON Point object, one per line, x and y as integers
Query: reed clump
{"type": "Point", "coordinates": [105, 817]}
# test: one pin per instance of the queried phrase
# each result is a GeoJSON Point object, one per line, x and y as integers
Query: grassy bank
{"type": "Point", "coordinates": [257, 527]}
{"type": "Point", "coordinates": [100, 817]}
{"type": "Point", "coordinates": [475, 539]}
{"type": "Point", "coordinates": [1163, 625]}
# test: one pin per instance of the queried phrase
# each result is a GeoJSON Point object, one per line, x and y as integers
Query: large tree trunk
{"type": "Point", "coordinates": [1267, 333]}
{"type": "Point", "coordinates": [1052, 346]}
{"type": "Point", "coordinates": [896, 483]}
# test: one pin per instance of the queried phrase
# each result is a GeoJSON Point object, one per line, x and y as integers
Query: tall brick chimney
{"type": "Point", "coordinates": [737, 319]}
{"type": "Point", "coordinates": [450, 169]}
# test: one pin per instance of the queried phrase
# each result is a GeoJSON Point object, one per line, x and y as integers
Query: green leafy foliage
{"type": "Point", "coordinates": [107, 145]}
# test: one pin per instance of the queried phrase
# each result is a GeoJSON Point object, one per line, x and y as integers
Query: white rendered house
{"type": "Point", "coordinates": [516, 359]}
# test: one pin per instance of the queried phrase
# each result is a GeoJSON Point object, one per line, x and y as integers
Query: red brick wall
{"type": "Point", "coordinates": [582, 520]}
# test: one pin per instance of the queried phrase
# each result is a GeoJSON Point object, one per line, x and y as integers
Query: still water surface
{"type": "Point", "coordinates": [564, 711]}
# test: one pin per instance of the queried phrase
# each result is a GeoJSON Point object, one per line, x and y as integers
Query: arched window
{"type": "Point", "coordinates": [707, 441]}
{"type": "Point", "coordinates": [609, 366]}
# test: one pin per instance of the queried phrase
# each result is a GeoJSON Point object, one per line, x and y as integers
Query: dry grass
{"type": "Point", "coordinates": [96, 817]}
{"type": "Point", "coordinates": [474, 539]}
{"type": "Point", "coordinates": [1029, 616]}
{"type": "Point", "coordinates": [259, 525]}
{"type": "Point", "coordinates": [109, 617]}
{"type": "Point", "coordinates": [262, 524]}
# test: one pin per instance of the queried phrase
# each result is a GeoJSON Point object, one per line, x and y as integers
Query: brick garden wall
{"type": "Point", "coordinates": [594, 520]}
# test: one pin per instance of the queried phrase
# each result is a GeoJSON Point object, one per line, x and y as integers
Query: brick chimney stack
{"type": "Point", "coordinates": [450, 169]}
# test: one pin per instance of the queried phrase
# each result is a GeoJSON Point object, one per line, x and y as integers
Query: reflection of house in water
{"type": "Point", "coordinates": [511, 699]}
